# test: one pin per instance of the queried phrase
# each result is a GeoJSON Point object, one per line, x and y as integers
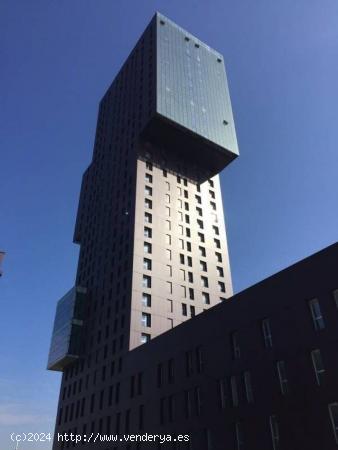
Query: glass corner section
{"type": "Point", "coordinates": [66, 342]}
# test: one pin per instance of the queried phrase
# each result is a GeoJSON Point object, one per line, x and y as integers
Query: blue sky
{"type": "Point", "coordinates": [58, 57]}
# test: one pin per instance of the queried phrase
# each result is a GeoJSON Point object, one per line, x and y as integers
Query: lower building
{"type": "Point", "coordinates": [257, 372]}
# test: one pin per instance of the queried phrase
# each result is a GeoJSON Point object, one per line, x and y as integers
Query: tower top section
{"type": "Point", "coordinates": [177, 87]}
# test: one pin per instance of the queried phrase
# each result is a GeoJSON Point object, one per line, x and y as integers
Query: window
{"type": "Point", "coordinates": [145, 337]}
{"type": "Point", "coordinates": [203, 266]}
{"type": "Point", "coordinates": [149, 165]}
{"type": "Point", "coordinates": [180, 216]}
{"type": "Point", "coordinates": [200, 224]}
{"type": "Point", "coordinates": [198, 188]}
{"type": "Point", "coordinates": [146, 282]}
{"type": "Point", "coordinates": [181, 258]}
{"type": "Point", "coordinates": [186, 206]}
{"type": "Point", "coordinates": [189, 363]}
{"type": "Point", "coordinates": [147, 232]}
{"type": "Point", "coordinates": [182, 275]}
{"type": "Point", "coordinates": [236, 350]}
{"type": "Point", "coordinates": [266, 330]}
{"type": "Point", "coordinates": [180, 229]}
{"type": "Point", "coordinates": [212, 194]}
{"type": "Point", "coordinates": [146, 299]}
{"type": "Point", "coordinates": [239, 435]}
{"type": "Point", "coordinates": [186, 193]}
{"type": "Point", "coordinates": [202, 251]}
{"type": "Point", "coordinates": [217, 243]}
{"type": "Point", "coordinates": [146, 264]}
{"type": "Point", "coordinates": [188, 246]}
{"type": "Point", "coordinates": [191, 294]}
{"type": "Point", "coordinates": [214, 217]}
{"type": "Point", "coordinates": [167, 225]}
{"type": "Point", "coordinates": [318, 321]}
{"type": "Point", "coordinates": [148, 190]}
{"type": "Point", "coordinates": [148, 218]}
{"type": "Point", "coordinates": [192, 311]}
{"type": "Point", "coordinates": [333, 411]}
{"type": "Point", "coordinates": [218, 257]}
{"type": "Point", "coordinates": [179, 203]}
{"type": "Point", "coordinates": [222, 389]}
{"type": "Point", "coordinates": [318, 366]}
{"type": "Point", "coordinates": [165, 173]}
{"type": "Point", "coordinates": [187, 220]}
{"type": "Point", "coordinates": [206, 298]}
{"type": "Point", "coordinates": [274, 429]}
{"type": "Point", "coordinates": [204, 281]}
{"type": "Point", "coordinates": [167, 185]}
{"type": "Point", "coordinates": [189, 261]}
{"type": "Point", "coordinates": [178, 179]}
{"type": "Point", "coordinates": [211, 183]}
{"type": "Point", "coordinates": [184, 309]}
{"type": "Point", "coordinates": [248, 386]}
{"type": "Point", "coordinates": [198, 199]}
{"type": "Point", "coordinates": [213, 206]}
{"type": "Point", "coordinates": [201, 237]}
{"type": "Point", "coordinates": [190, 277]}
{"type": "Point", "coordinates": [179, 191]}
{"type": "Point", "coordinates": [181, 242]}
{"type": "Point", "coordinates": [169, 287]}
{"type": "Point", "coordinates": [146, 247]}
{"type": "Point", "coordinates": [168, 254]}
{"type": "Point", "coordinates": [234, 393]}
{"type": "Point", "coordinates": [183, 291]}
{"type": "Point", "coordinates": [187, 233]}
{"type": "Point", "coordinates": [283, 381]}
{"type": "Point", "coordinates": [167, 198]}
{"type": "Point", "coordinates": [167, 211]}
{"type": "Point", "coordinates": [221, 286]}
{"type": "Point", "coordinates": [220, 271]}
{"type": "Point", "coordinates": [170, 306]}
{"type": "Point", "coordinates": [148, 178]}
{"type": "Point", "coordinates": [168, 239]}
{"type": "Point", "coordinates": [216, 229]}
{"type": "Point", "coordinates": [169, 270]}
{"type": "Point", "coordinates": [146, 320]}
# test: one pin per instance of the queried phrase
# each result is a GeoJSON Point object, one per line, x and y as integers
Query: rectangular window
{"type": "Point", "coordinates": [147, 232]}
{"type": "Point", "coordinates": [182, 275]}
{"type": "Point", "coordinates": [169, 287]}
{"type": "Point", "coordinates": [189, 261]}
{"type": "Point", "coordinates": [318, 366]}
{"type": "Point", "coordinates": [179, 203]}
{"type": "Point", "coordinates": [187, 220]}
{"type": "Point", "coordinates": [167, 211]}
{"type": "Point", "coordinates": [148, 178]}
{"type": "Point", "coordinates": [146, 320]}
{"type": "Point", "coordinates": [169, 270]}
{"type": "Point", "coordinates": [168, 254]}
{"type": "Point", "coordinates": [170, 306]}
{"type": "Point", "coordinates": [180, 229]}
{"type": "Point", "coordinates": [198, 199]}
{"type": "Point", "coordinates": [274, 429]}
{"type": "Point", "coordinates": [248, 387]}
{"type": "Point", "coordinates": [167, 185]}
{"type": "Point", "coordinates": [239, 436]}
{"type": "Point", "coordinates": [146, 299]}
{"type": "Point", "coordinates": [186, 195]}
{"type": "Point", "coordinates": [216, 229]}
{"type": "Point", "coordinates": [217, 243]}
{"type": "Point", "coordinates": [148, 190]}
{"type": "Point", "coordinates": [220, 271]}
{"type": "Point", "coordinates": [145, 337]}
{"type": "Point", "coordinates": [168, 239]}
{"type": "Point", "coordinates": [146, 264]}
{"type": "Point", "coordinates": [335, 297]}
{"type": "Point", "coordinates": [183, 291]}
{"type": "Point", "coordinates": [213, 206]}
{"type": "Point", "coordinates": [283, 381]}
{"type": "Point", "coordinates": [204, 282]}
{"type": "Point", "coordinates": [318, 321]}
{"type": "Point", "coordinates": [188, 246]}
{"type": "Point", "coordinates": [222, 389]}
{"type": "Point", "coordinates": [146, 247]}
{"type": "Point", "coordinates": [234, 340]}
{"type": "Point", "coordinates": [200, 224]}
{"type": "Point", "coordinates": [203, 266]}
{"type": "Point", "coordinates": [167, 225]}
{"type": "Point", "coordinates": [199, 210]}
{"type": "Point", "coordinates": [184, 309]}
{"type": "Point", "coordinates": [181, 244]}
{"type": "Point", "coordinates": [234, 393]}
{"type": "Point", "coordinates": [218, 257]}
{"type": "Point", "coordinates": [146, 282]}
{"type": "Point", "coordinates": [182, 258]}
{"type": "Point", "coordinates": [202, 251]}
{"type": "Point", "coordinates": [189, 363]}
{"type": "Point", "coordinates": [192, 311]}
{"type": "Point", "coordinates": [179, 191]}
{"type": "Point", "coordinates": [149, 165]}
{"type": "Point", "coordinates": [201, 237]}
{"type": "Point", "coordinates": [266, 330]}
{"type": "Point", "coordinates": [211, 183]}
{"type": "Point", "coordinates": [212, 194]}
{"type": "Point", "coordinates": [206, 298]}
{"type": "Point", "coordinates": [190, 277]}
{"type": "Point", "coordinates": [148, 218]}
{"type": "Point", "coordinates": [221, 286]}
{"type": "Point", "coordinates": [333, 412]}
{"type": "Point", "coordinates": [167, 198]}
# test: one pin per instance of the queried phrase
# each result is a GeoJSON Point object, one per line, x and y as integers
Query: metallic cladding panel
{"type": "Point", "coordinates": [192, 88]}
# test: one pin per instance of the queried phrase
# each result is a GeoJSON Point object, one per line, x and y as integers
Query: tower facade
{"type": "Point", "coordinates": [150, 222]}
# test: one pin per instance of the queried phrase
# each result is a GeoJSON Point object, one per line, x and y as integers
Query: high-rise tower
{"type": "Point", "coordinates": [150, 223]}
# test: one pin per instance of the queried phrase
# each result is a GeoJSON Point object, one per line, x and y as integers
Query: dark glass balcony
{"type": "Point", "coordinates": [65, 347]}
